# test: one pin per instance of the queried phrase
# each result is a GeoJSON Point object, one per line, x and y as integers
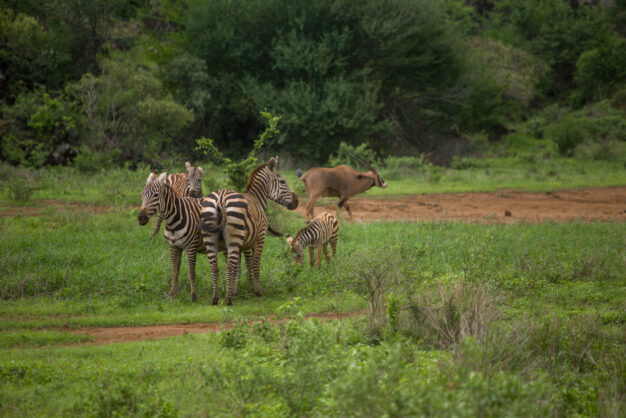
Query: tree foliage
{"type": "Point", "coordinates": [142, 78]}
{"type": "Point", "coordinates": [238, 171]}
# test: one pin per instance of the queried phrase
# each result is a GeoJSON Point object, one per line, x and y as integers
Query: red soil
{"type": "Point", "coordinates": [505, 206]}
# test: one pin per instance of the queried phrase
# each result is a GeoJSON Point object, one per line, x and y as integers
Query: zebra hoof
{"type": "Point", "coordinates": [194, 297]}
{"type": "Point", "coordinates": [229, 302]}
{"type": "Point", "coordinates": [214, 301]}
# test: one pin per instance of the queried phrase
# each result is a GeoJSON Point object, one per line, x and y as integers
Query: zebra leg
{"type": "Point", "coordinates": [319, 256]}
{"type": "Point", "coordinates": [175, 254]}
{"type": "Point", "coordinates": [333, 246]}
{"type": "Point", "coordinates": [157, 225]}
{"type": "Point", "coordinates": [311, 257]}
{"type": "Point", "coordinates": [215, 271]}
{"type": "Point", "coordinates": [191, 272]}
{"type": "Point", "coordinates": [249, 266]}
{"type": "Point", "coordinates": [231, 271]}
{"type": "Point", "coordinates": [256, 269]}
{"type": "Point", "coordinates": [326, 256]}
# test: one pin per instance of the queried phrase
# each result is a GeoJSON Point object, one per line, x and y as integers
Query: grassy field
{"type": "Point", "coordinates": [462, 319]}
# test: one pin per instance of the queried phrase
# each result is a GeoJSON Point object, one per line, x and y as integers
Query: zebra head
{"type": "Point", "coordinates": [194, 179]}
{"type": "Point", "coordinates": [278, 190]}
{"type": "Point", "coordinates": [296, 248]}
{"type": "Point", "coordinates": [150, 196]}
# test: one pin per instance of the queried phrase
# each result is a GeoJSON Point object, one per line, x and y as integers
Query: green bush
{"type": "Point", "coordinates": [593, 124]}
{"type": "Point", "coordinates": [396, 168]}
{"type": "Point", "coordinates": [346, 152]}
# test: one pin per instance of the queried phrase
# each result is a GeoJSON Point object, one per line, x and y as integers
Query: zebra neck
{"type": "Point", "coordinates": [258, 189]}
{"type": "Point", "coordinates": [303, 238]}
{"type": "Point", "coordinates": [168, 202]}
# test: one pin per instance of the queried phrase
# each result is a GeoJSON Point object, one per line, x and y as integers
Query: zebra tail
{"type": "Point", "coordinates": [217, 223]}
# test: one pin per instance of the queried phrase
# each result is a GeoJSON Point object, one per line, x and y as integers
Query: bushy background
{"type": "Point", "coordinates": [130, 81]}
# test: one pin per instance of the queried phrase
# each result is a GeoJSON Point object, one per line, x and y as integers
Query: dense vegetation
{"type": "Point", "coordinates": [129, 81]}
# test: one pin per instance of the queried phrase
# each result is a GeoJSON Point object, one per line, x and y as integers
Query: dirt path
{"type": "Point", "coordinates": [152, 332]}
{"type": "Point", "coordinates": [505, 206]}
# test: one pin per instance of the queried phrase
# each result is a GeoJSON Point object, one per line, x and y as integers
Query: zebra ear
{"type": "Point", "coordinates": [161, 178]}
{"type": "Point", "coordinates": [272, 163]}
{"type": "Point", "coordinates": [152, 176]}
{"type": "Point", "coordinates": [188, 165]}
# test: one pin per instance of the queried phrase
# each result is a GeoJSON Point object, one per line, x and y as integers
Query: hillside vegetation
{"type": "Point", "coordinates": [127, 82]}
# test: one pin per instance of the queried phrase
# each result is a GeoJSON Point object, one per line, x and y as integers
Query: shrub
{"type": "Point", "coordinates": [402, 167]}
{"type": "Point", "coordinates": [446, 314]}
{"type": "Point", "coordinates": [346, 152]}
{"type": "Point", "coordinates": [238, 172]}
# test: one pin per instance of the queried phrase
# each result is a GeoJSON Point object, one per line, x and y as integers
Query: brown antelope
{"type": "Point", "coordinates": [341, 181]}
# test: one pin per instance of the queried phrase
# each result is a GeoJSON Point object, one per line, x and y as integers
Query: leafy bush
{"type": "Point", "coordinates": [402, 167]}
{"type": "Point", "coordinates": [239, 171]}
{"type": "Point", "coordinates": [346, 152]}
{"type": "Point", "coordinates": [595, 124]}
{"type": "Point", "coordinates": [127, 109]}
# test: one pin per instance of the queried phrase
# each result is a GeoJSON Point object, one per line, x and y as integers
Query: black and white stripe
{"type": "Point", "coordinates": [320, 231]}
{"type": "Point", "coordinates": [181, 216]}
{"type": "Point", "coordinates": [185, 185]}
{"type": "Point", "coordinates": [236, 222]}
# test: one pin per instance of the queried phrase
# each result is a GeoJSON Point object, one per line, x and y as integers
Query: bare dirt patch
{"type": "Point", "coordinates": [504, 206]}
{"type": "Point", "coordinates": [153, 332]}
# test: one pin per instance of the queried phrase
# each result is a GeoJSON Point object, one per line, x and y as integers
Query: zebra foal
{"type": "Point", "coordinates": [236, 222]}
{"type": "Point", "coordinates": [182, 230]}
{"type": "Point", "coordinates": [185, 184]}
{"type": "Point", "coordinates": [320, 231]}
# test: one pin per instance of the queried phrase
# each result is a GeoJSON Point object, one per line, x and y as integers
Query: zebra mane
{"type": "Point", "coordinates": [252, 174]}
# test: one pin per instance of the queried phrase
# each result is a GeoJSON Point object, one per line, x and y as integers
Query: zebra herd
{"type": "Point", "coordinates": [225, 221]}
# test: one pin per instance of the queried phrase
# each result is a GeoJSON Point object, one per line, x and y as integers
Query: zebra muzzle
{"type": "Point", "coordinates": [142, 218]}
{"type": "Point", "coordinates": [294, 202]}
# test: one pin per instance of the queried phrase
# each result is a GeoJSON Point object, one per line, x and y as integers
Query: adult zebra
{"type": "Point", "coordinates": [182, 231]}
{"type": "Point", "coordinates": [185, 184]}
{"type": "Point", "coordinates": [236, 222]}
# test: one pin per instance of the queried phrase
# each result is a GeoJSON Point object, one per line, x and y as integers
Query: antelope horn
{"type": "Point", "coordinates": [363, 162]}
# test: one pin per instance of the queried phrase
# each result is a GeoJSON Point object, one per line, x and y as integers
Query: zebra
{"type": "Point", "coordinates": [233, 223]}
{"type": "Point", "coordinates": [182, 231]}
{"type": "Point", "coordinates": [186, 185]}
{"type": "Point", "coordinates": [319, 232]}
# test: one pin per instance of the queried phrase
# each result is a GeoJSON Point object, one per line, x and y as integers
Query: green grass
{"type": "Point", "coordinates": [549, 299]}
{"type": "Point", "coordinates": [121, 188]}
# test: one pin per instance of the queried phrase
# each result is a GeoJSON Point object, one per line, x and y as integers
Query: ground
{"type": "Point", "coordinates": [505, 206]}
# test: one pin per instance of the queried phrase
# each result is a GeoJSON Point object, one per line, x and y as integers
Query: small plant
{"type": "Point", "coordinates": [238, 171]}
{"type": "Point", "coordinates": [237, 336]}
{"type": "Point", "coordinates": [444, 315]}
{"type": "Point", "coordinates": [22, 185]}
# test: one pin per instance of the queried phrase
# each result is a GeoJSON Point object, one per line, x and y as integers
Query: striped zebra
{"type": "Point", "coordinates": [182, 229]}
{"type": "Point", "coordinates": [234, 222]}
{"type": "Point", "coordinates": [319, 232]}
{"type": "Point", "coordinates": [185, 184]}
